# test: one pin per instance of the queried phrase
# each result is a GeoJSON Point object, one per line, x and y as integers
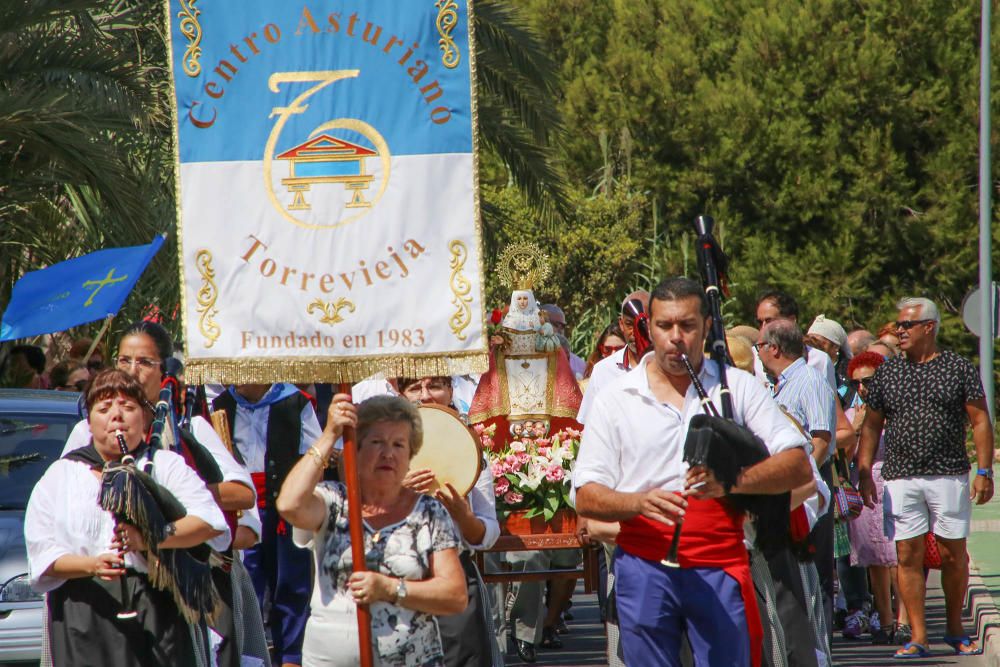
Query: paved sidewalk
{"type": "Point", "coordinates": [981, 618]}
{"type": "Point", "coordinates": [861, 653]}
{"type": "Point", "coordinates": [585, 643]}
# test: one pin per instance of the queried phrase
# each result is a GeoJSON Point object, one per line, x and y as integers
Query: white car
{"type": "Point", "coordinates": [34, 426]}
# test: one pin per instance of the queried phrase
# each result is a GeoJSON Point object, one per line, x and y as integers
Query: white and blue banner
{"type": "Point", "coordinates": [329, 218]}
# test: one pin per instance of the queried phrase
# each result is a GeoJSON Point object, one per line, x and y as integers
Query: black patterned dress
{"type": "Point", "coordinates": [402, 637]}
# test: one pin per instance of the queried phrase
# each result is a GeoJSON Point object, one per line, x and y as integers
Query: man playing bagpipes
{"type": "Point", "coordinates": [631, 469]}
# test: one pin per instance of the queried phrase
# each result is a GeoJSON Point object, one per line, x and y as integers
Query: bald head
{"type": "Point", "coordinates": [858, 340]}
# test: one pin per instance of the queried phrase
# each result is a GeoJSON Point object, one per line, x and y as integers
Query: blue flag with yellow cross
{"type": "Point", "coordinates": [75, 292]}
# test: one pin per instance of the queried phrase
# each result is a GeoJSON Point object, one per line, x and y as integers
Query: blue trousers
{"type": "Point", "coordinates": [278, 567]}
{"type": "Point", "coordinates": [657, 605]}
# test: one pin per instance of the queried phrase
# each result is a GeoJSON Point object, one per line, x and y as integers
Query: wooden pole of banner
{"type": "Point", "coordinates": [357, 532]}
{"type": "Point", "coordinates": [97, 339]}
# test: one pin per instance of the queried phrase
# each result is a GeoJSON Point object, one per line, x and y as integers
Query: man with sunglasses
{"type": "Point", "coordinates": [557, 318]}
{"type": "Point", "coordinates": [923, 399]}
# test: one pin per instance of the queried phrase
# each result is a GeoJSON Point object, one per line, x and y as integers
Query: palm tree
{"type": "Point", "coordinates": [517, 107]}
{"type": "Point", "coordinates": [72, 106]}
{"type": "Point", "coordinates": [84, 129]}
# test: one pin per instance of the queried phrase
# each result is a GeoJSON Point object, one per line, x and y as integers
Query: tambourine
{"type": "Point", "coordinates": [451, 450]}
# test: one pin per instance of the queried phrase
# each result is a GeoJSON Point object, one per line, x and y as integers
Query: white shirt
{"type": "Point", "coordinates": [376, 385]}
{"type": "Point", "coordinates": [633, 442]}
{"type": "Point", "coordinates": [64, 518]}
{"type": "Point", "coordinates": [250, 434]}
{"type": "Point", "coordinates": [817, 359]}
{"type": "Point", "coordinates": [251, 519]}
{"type": "Point", "coordinates": [484, 506]}
{"type": "Point", "coordinates": [605, 372]}
{"type": "Point", "coordinates": [463, 390]}
{"type": "Point", "coordinates": [818, 503]}
{"type": "Point", "coordinates": [203, 432]}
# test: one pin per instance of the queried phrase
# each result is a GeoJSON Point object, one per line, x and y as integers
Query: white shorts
{"type": "Point", "coordinates": [940, 504]}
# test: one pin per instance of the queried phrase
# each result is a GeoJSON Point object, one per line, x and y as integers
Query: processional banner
{"type": "Point", "coordinates": [328, 206]}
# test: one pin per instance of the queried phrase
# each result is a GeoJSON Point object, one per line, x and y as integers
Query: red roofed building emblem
{"type": "Point", "coordinates": [327, 159]}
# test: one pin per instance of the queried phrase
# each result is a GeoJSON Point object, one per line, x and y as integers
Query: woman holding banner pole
{"type": "Point", "coordinates": [409, 541]}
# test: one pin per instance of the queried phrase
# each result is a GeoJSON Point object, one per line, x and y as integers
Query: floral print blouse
{"type": "Point", "coordinates": [403, 637]}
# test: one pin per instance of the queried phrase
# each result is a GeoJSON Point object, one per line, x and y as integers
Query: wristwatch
{"type": "Point", "coordinates": [400, 590]}
{"type": "Point", "coordinates": [985, 472]}
{"type": "Point", "coordinates": [170, 530]}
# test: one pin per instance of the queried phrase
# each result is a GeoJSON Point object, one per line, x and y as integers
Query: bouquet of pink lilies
{"type": "Point", "coordinates": [532, 472]}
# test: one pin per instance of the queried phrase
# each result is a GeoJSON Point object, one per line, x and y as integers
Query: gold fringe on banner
{"type": "Point", "coordinates": [303, 370]}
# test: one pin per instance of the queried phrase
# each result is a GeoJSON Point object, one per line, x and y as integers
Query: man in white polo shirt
{"type": "Point", "coordinates": [631, 470]}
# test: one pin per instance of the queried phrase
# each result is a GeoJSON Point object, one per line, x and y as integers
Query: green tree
{"type": "Point", "coordinates": [835, 142]}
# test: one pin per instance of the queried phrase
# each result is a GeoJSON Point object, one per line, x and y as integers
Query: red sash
{"type": "Point", "coordinates": [260, 485]}
{"type": "Point", "coordinates": [712, 537]}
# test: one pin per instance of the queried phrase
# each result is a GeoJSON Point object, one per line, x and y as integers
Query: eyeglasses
{"type": "Point", "coordinates": [757, 346]}
{"type": "Point", "coordinates": [863, 382]}
{"type": "Point", "coordinates": [144, 363]}
{"type": "Point", "coordinates": [432, 386]}
{"type": "Point", "coordinates": [906, 325]}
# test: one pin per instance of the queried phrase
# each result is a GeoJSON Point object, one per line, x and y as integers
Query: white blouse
{"type": "Point", "coordinates": [64, 517]}
{"type": "Point", "coordinates": [203, 432]}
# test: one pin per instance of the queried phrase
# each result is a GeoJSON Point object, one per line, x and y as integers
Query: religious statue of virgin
{"type": "Point", "coordinates": [529, 380]}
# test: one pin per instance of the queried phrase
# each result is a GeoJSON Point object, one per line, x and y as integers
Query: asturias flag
{"type": "Point", "coordinates": [74, 292]}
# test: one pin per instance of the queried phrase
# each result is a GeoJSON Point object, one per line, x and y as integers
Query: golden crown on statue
{"type": "Point", "coordinates": [522, 266]}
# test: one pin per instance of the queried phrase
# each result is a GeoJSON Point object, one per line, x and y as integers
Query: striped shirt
{"type": "Point", "coordinates": [807, 396]}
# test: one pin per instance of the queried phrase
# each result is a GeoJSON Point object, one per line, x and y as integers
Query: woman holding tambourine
{"type": "Point", "coordinates": [464, 635]}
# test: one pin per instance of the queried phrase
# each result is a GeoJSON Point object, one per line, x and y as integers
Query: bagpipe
{"type": "Point", "coordinates": [716, 441]}
{"type": "Point", "coordinates": [131, 495]}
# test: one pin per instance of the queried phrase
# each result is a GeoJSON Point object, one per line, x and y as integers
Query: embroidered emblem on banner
{"type": "Point", "coordinates": [341, 155]}
{"type": "Point", "coordinates": [208, 294]}
{"type": "Point", "coordinates": [329, 311]}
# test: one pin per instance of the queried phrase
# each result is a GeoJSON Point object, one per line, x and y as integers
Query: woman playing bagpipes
{"type": "Point", "coordinates": [146, 353]}
{"type": "Point", "coordinates": [95, 570]}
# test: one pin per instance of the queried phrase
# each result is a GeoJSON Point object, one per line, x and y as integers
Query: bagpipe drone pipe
{"type": "Point", "coordinates": [716, 441]}
{"type": "Point", "coordinates": [132, 495]}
